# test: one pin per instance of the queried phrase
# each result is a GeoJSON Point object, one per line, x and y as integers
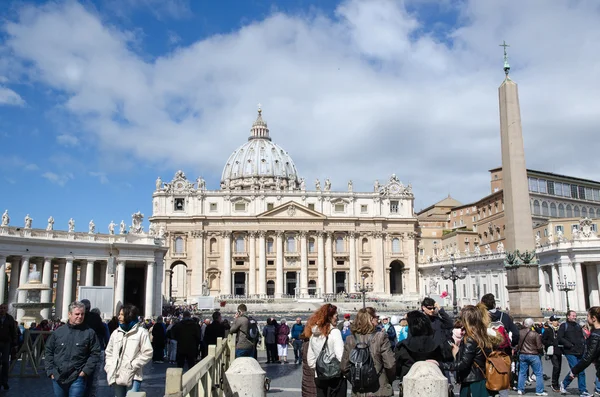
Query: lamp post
{"type": "Point", "coordinates": [566, 287]}
{"type": "Point", "coordinates": [363, 288]}
{"type": "Point", "coordinates": [454, 275]}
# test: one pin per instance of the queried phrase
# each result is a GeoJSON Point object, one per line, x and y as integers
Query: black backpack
{"type": "Point", "coordinates": [363, 374]}
{"type": "Point", "coordinates": [252, 334]}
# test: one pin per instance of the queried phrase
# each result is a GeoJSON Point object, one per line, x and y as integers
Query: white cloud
{"type": "Point", "coordinates": [9, 97]}
{"type": "Point", "coordinates": [67, 140]}
{"type": "Point", "coordinates": [31, 167]}
{"type": "Point", "coordinates": [59, 179]}
{"type": "Point", "coordinates": [101, 177]}
{"type": "Point", "coordinates": [161, 9]}
{"type": "Point", "coordinates": [360, 96]}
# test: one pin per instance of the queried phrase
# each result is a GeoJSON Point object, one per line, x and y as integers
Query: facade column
{"type": "Point", "coordinates": [2, 277]}
{"type": "Point", "coordinates": [188, 283]}
{"type": "Point", "coordinates": [148, 309]}
{"type": "Point", "coordinates": [198, 275]}
{"type": "Point", "coordinates": [89, 273]}
{"type": "Point", "coordinates": [329, 263]}
{"type": "Point", "coordinates": [320, 263]}
{"type": "Point", "coordinates": [67, 289]}
{"type": "Point", "coordinates": [579, 287]}
{"type": "Point", "coordinates": [23, 278]}
{"type": "Point", "coordinates": [159, 280]}
{"type": "Point", "coordinates": [378, 268]}
{"type": "Point", "coordinates": [262, 264]}
{"type": "Point", "coordinates": [541, 275]}
{"type": "Point", "coordinates": [168, 280]}
{"type": "Point", "coordinates": [352, 275]}
{"type": "Point", "coordinates": [226, 280]}
{"type": "Point", "coordinates": [252, 272]}
{"type": "Point", "coordinates": [47, 280]}
{"type": "Point", "coordinates": [279, 265]}
{"type": "Point", "coordinates": [14, 281]}
{"type": "Point", "coordinates": [120, 290]}
{"type": "Point", "coordinates": [557, 297]}
{"type": "Point", "coordinates": [303, 265]}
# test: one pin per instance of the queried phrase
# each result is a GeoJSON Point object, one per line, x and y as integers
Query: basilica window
{"type": "Point", "coordinates": [536, 207]}
{"type": "Point", "coordinates": [576, 212]}
{"type": "Point", "coordinates": [239, 244]}
{"type": "Point", "coordinates": [179, 204]}
{"type": "Point", "coordinates": [311, 245]}
{"type": "Point", "coordinates": [311, 263]}
{"type": "Point", "coordinates": [270, 206]}
{"type": "Point", "coordinates": [213, 207]}
{"type": "Point", "coordinates": [270, 263]}
{"type": "Point", "coordinates": [592, 213]}
{"type": "Point", "coordinates": [240, 206]}
{"type": "Point", "coordinates": [339, 244]}
{"type": "Point", "coordinates": [396, 245]}
{"type": "Point", "coordinates": [179, 245]}
{"type": "Point", "coordinates": [311, 206]}
{"type": "Point", "coordinates": [364, 209]}
{"type": "Point", "coordinates": [291, 244]}
{"type": "Point", "coordinates": [561, 211]}
{"type": "Point", "coordinates": [553, 212]}
{"type": "Point", "coordinates": [584, 212]}
{"type": "Point", "coordinates": [569, 211]}
{"type": "Point", "coordinates": [394, 205]}
{"type": "Point", "coordinates": [340, 207]}
{"type": "Point", "coordinates": [270, 246]}
{"type": "Point", "coordinates": [270, 287]}
{"type": "Point", "coordinates": [545, 208]}
{"type": "Point", "coordinates": [365, 245]}
{"type": "Point", "coordinates": [213, 245]}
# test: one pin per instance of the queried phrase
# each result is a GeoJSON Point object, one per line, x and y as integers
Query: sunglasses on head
{"type": "Point", "coordinates": [430, 307]}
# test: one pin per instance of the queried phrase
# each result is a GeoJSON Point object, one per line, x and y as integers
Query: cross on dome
{"type": "Point", "coordinates": [259, 127]}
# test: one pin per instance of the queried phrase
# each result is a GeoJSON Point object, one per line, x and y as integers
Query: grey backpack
{"type": "Point", "coordinates": [327, 366]}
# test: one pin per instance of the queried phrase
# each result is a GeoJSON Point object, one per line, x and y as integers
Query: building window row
{"type": "Point", "coordinates": [562, 210]}
{"type": "Point", "coordinates": [544, 186]}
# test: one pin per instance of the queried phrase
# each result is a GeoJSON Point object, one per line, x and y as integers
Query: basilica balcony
{"type": "Point", "coordinates": [391, 254]}
{"type": "Point", "coordinates": [341, 254]}
{"type": "Point", "coordinates": [179, 255]}
{"type": "Point", "coordinates": [239, 254]}
{"type": "Point", "coordinates": [288, 254]}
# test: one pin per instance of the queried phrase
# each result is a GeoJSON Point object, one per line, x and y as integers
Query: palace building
{"type": "Point", "coordinates": [265, 232]}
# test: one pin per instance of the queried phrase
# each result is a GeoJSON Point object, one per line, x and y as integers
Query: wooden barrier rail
{"type": "Point", "coordinates": [205, 378]}
{"type": "Point", "coordinates": [31, 353]}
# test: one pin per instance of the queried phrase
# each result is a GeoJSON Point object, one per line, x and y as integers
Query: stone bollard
{"type": "Point", "coordinates": [245, 378]}
{"type": "Point", "coordinates": [136, 394]}
{"type": "Point", "coordinates": [425, 379]}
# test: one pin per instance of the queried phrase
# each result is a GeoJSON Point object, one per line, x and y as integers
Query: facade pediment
{"type": "Point", "coordinates": [291, 210]}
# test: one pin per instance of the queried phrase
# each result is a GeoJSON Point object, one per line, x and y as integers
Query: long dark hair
{"type": "Point", "coordinates": [130, 313]}
{"type": "Point", "coordinates": [419, 323]}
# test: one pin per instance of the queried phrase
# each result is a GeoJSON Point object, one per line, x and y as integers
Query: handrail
{"type": "Point", "coordinates": [206, 377]}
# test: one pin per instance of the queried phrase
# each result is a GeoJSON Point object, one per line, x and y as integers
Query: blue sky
{"type": "Point", "coordinates": [98, 98]}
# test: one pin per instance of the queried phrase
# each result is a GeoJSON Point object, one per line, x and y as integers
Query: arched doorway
{"type": "Point", "coordinates": [178, 282]}
{"type": "Point", "coordinates": [396, 269]}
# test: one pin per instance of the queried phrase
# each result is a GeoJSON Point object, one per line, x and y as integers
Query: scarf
{"type": "Point", "coordinates": [129, 326]}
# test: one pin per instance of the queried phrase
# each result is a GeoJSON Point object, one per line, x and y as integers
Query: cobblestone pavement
{"type": "Point", "coordinates": [285, 381]}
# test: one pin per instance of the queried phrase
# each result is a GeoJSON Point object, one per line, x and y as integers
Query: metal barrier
{"type": "Point", "coordinates": [204, 378]}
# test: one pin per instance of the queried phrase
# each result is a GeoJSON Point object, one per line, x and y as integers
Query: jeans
{"type": "Point", "coordinates": [526, 360]}
{"type": "Point", "coordinates": [556, 360]}
{"type": "Point", "coordinates": [189, 357]}
{"type": "Point", "coordinates": [297, 349]}
{"type": "Point", "coordinates": [121, 391]}
{"type": "Point", "coordinates": [75, 389]}
{"type": "Point", "coordinates": [244, 352]}
{"type": "Point", "coordinates": [573, 360]}
{"type": "Point", "coordinates": [5, 352]}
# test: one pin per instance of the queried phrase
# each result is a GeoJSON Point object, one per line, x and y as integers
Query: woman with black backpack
{"type": "Point", "coordinates": [373, 351]}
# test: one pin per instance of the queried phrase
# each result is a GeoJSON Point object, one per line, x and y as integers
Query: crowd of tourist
{"type": "Point", "coordinates": [481, 351]}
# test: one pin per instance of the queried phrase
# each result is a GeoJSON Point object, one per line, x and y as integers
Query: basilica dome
{"type": "Point", "coordinates": [260, 163]}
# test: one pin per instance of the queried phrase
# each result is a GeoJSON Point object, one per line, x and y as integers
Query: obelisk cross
{"type": "Point", "coordinates": [506, 65]}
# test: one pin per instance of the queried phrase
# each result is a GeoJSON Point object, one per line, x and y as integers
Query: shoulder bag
{"type": "Point", "coordinates": [327, 365]}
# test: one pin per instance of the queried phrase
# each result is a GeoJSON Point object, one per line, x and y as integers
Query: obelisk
{"type": "Point", "coordinates": [521, 264]}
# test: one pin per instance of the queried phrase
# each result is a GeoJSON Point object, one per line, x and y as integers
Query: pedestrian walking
{"type": "Point", "coordinates": [8, 339]}
{"type": "Point", "coordinates": [469, 362]}
{"type": "Point", "coordinates": [530, 350]}
{"type": "Point", "coordinates": [379, 347]}
{"type": "Point", "coordinates": [72, 354]}
{"type": "Point", "coordinates": [570, 337]}
{"type": "Point", "coordinates": [327, 337]}
{"type": "Point", "coordinates": [550, 342]}
{"type": "Point", "coordinates": [309, 389]}
{"type": "Point", "coordinates": [297, 330]}
{"type": "Point", "coordinates": [128, 351]}
{"type": "Point", "coordinates": [270, 335]}
{"type": "Point", "coordinates": [214, 330]}
{"type": "Point", "coordinates": [246, 329]}
{"type": "Point", "coordinates": [592, 351]}
{"type": "Point", "coordinates": [187, 334]}
{"type": "Point", "coordinates": [159, 338]}
{"type": "Point", "coordinates": [171, 343]}
{"type": "Point", "coordinates": [283, 339]}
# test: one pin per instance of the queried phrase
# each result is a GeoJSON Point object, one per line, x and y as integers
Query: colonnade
{"type": "Point", "coordinates": [585, 292]}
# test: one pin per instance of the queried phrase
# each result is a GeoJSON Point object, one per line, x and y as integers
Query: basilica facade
{"type": "Point", "coordinates": [265, 232]}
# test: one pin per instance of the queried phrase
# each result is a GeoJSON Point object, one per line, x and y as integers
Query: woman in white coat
{"type": "Point", "coordinates": [325, 320]}
{"type": "Point", "coordinates": [128, 350]}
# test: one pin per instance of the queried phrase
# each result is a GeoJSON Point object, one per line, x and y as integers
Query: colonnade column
{"type": "Point", "coordinates": [2, 277]}
{"type": "Point", "coordinates": [579, 290]}
{"type": "Point", "coordinates": [120, 290]}
{"type": "Point", "coordinates": [597, 269]}
{"type": "Point", "coordinates": [378, 267]}
{"type": "Point", "coordinates": [352, 276]}
{"type": "Point", "coordinates": [89, 273]}
{"type": "Point", "coordinates": [226, 281]}
{"type": "Point", "coordinates": [14, 276]}
{"type": "Point", "coordinates": [47, 280]}
{"type": "Point", "coordinates": [542, 288]}
{"type": "Point", "coordinates": [329, 264]}
{"type": "Point", "coordinates": [252, 254]}
{"type": "Point", "coordinates": [23, 278]}
{"type": "Point", "coordinates": [321, 262]}
{"type": "Point", "coordinates": [303, 265]}
{"type": "Point", "coordinates": [591, 276]}
{"type": "Point", "coordinates": [262, 264]}
{"type": "Point", "coordinates": [279, 265]}
{"type": "Point", "coordinates": [149, 307]}
{"type": "Point", "coordinates": [555, 279]}
{"type": "Point", "coordinates": [159, 279]}
{"type": "Point", "coordinates": [67, 289]}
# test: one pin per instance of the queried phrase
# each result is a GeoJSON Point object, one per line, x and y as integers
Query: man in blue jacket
{"type": "Point", "coordinates": [297, 330]}
{"type": "Point", "coordinates": [570, 337]}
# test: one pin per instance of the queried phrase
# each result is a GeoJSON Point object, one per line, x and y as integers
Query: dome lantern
{"type": "Point", "coordinates": [259, 127]}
